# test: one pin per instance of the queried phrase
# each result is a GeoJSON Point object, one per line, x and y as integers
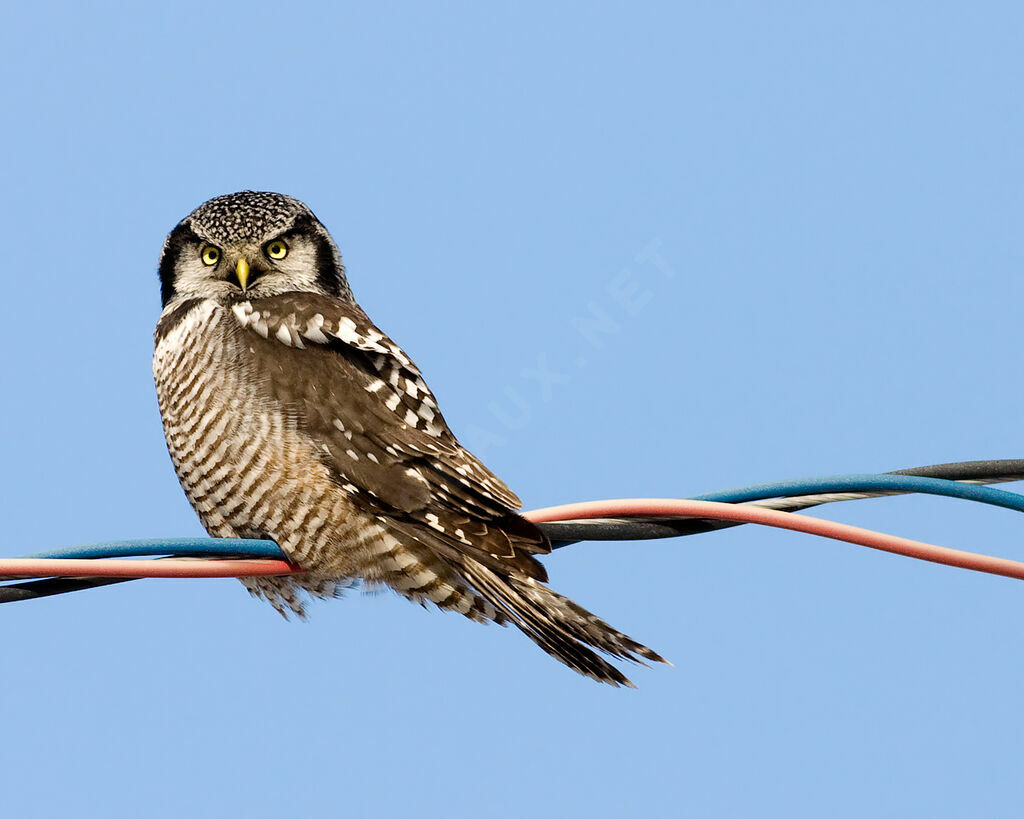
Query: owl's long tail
{"type": "Point", "coordinates": [564, 629]}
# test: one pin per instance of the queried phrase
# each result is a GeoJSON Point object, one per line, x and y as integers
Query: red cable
{"type": "Point", "coordinates": [75, 567]}
{"type": "Point", "coordinates": [743, 513]}
{"type": "Point", "coordinates": [708, 510]}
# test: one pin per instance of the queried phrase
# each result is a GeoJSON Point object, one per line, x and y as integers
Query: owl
{"type": "Point", "coordinates": [289, 416]}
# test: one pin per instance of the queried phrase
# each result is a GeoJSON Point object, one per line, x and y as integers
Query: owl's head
{"type": "Point", "coordinates": [253, 243]}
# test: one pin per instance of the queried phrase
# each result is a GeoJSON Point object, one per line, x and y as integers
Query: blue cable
{"type": "Point", "coordinates": [869, 483]}
{"type": "Point", "coordinates": [223, 547]}
{"type": "Point", "coordinates": [179, 547]}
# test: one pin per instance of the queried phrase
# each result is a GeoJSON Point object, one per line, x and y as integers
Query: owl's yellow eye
{"type": "Point", "coordinates": [211, 255]}
{"type": "Point", "coordinates": [276, 250]}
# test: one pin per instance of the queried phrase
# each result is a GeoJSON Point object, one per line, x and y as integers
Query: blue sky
{"type": "Point", "coordinates": [802, 223]}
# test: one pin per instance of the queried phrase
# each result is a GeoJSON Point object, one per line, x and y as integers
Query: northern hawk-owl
{"type": "Point", "coordinates": [290, 416]}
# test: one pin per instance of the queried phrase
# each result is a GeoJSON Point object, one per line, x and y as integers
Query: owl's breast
{"type": "Point", "coordinates": [246, 467]}
{"type": "Point", "coordinates": [214, 426]}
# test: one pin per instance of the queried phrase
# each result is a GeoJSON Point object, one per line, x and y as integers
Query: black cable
{"type": "Point", "coordinates": [997, 471]}
{"type": "Point", "coordinates": [32, 589]}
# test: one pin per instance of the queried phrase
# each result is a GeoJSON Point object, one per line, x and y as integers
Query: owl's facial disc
{"type": "Point", "coordinates": [251, 243]}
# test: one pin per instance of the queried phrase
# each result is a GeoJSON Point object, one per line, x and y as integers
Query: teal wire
{"type": "Point", "coordinates": [178, 547]}
{"type": "Point", "coordinates": [869, 483]}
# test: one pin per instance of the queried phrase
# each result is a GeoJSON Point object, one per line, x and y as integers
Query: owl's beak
{"type": "Point", "coordinates": [242, 271]}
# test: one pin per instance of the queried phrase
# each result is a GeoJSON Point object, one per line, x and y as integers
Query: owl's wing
{"type": "Point", "coordinates": [360, 396]}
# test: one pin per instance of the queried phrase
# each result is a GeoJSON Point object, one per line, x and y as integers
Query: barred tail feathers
{"type": "Point", "coordinates": [562, 628]}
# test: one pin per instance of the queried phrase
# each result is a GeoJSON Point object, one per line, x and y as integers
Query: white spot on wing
{"type": "Point", "coordinates": [314, 329]}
